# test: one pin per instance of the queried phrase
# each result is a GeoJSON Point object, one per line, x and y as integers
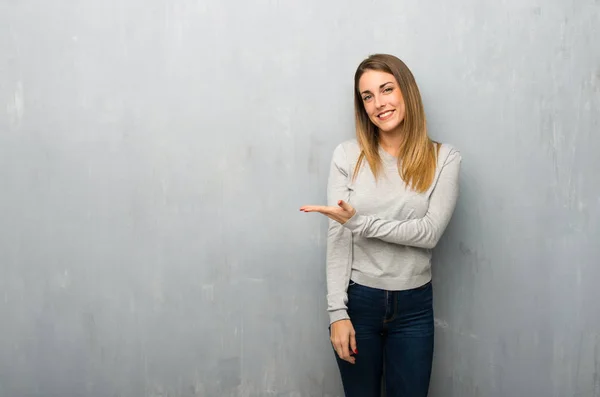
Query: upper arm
{"type": "Point", "coordinates": [339, 176]}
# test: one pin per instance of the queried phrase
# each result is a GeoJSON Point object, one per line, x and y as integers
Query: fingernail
{"type": "Point", "coordinates": [355, 351]}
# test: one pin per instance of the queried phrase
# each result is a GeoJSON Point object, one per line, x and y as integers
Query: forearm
{"type": "Point", "coordinates": [338, 271]}
{"type": "Point", "coordinates": [422, 232]}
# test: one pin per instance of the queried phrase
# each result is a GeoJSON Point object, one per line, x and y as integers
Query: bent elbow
{"type": "Point", "coordinates": [430, 245]}
{"type": "Point", "coordinates": [432, 241]}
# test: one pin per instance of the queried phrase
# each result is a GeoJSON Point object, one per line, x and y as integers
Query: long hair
{"type": "Point", "coordinates": [418, 154]}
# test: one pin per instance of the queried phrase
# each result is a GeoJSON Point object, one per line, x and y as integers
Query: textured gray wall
{"type": "Point", "coordinates": [154, 153]}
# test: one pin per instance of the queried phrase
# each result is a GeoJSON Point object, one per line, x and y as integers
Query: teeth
{"type": "Point", "coordinates": [385, 114]}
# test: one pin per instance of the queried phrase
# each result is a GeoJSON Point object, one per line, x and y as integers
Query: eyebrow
{"type": "Point", "coordinates": [381, 86]}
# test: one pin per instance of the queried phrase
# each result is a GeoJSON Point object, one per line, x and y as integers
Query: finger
{"type": "Point", "coordinates": [338, 349]}
{"type": "Point", "coordinates": [349, 358]}
{"type": "Point", "coordinates": [315, 208]}
{"type": "Point", "coordinates": [353, 342]}
{"type": "Point", "coordinates": [331, 212]}
{"type": "Point", "coordinates": [338, 345]}
{"type": "Point", "coordinates": [345, 350]}
{"type": "Point", "coordinates": [345, 206]}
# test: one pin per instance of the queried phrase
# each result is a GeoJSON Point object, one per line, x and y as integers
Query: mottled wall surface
{"type": "Point", "coordinates": [154, 153]}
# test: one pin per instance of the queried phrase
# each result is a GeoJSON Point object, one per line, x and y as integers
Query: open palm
{"type": "Point", "coordinates": [341, 213]}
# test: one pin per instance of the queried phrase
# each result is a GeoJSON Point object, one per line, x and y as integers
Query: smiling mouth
{"type": "Point", "coordinates": [385, 115]}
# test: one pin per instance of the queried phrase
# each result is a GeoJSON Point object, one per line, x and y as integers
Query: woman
{"type": "Point", "coordinates": [391, 194]}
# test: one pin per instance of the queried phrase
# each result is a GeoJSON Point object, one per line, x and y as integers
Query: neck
{"type": "Point", "coordinates": [391, 141]}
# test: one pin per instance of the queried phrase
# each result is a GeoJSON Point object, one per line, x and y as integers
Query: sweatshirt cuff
{"type": "Point", "coordinates": [338, 315]}
{"type": "Point", "coordinates": [355, 222]}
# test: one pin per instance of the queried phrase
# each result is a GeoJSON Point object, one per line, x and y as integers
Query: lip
{"type": "Point", "coordinates": [391, 113]}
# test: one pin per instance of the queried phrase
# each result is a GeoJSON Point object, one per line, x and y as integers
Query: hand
{"type": "Point", "coordinates": [341, 214]}
{"type": "Point", "coordinates": [343, 339]}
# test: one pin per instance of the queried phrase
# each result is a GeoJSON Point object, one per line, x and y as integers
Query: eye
{"type": "Point", "coordinates": [388, 89]}
{"type": "Point", "coordinates": [366, 97]}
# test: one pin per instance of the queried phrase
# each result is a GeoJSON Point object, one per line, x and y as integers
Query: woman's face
{"type": "Point", "coordinates": [382, 99]}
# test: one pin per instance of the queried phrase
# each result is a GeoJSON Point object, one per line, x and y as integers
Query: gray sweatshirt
{"type": "Point", "coordinates": [387, 244]}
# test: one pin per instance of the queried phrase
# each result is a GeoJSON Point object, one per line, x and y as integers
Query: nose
{"type": "Point", "coordinates": [378, 101]}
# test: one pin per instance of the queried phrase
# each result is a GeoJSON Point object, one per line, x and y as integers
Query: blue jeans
{"type": "Point", "coordinates": [394, 340]}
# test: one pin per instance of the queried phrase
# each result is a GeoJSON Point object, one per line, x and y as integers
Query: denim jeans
{"type": "Point", "coordinates": [394, 340]}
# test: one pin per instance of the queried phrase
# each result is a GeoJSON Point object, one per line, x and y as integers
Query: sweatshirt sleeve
{"type": "Point", "coordinates": [339, 239]}
{"type": "Point", "coordinates": [423, 232]}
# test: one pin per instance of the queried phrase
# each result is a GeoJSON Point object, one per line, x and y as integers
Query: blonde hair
{"type": "Point", "coordinates": [418, 154]}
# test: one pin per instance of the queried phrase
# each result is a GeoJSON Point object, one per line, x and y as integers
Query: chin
{"type": "Point", "coordinates": [387, 127]}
